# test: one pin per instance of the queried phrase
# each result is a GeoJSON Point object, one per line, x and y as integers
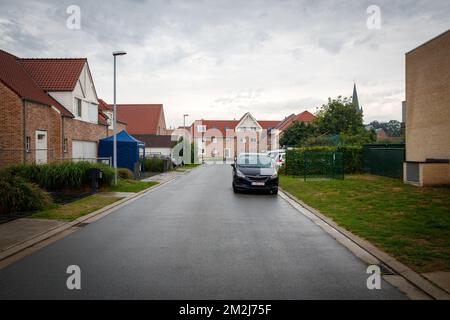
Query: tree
{"type": "Point", "coordinates": [339, 116]}
{"type": "Point", "coordinates": [297, 134]}
{"type": "Point", "coordinates": [392, 128]}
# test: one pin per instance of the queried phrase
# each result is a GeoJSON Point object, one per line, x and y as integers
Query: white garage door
{"type": "Point", "coordinates": [84, 150]}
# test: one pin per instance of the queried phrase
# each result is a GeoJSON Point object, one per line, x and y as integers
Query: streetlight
{"type": "Point", "coordinates": [115, 54]}
{"type": "Point", "coordinates": [184, 135]}
{"type": "Point", "coordinates": [184, 120]}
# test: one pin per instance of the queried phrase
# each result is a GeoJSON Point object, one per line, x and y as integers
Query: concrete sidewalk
{"type": "Point", "coordinates": [20, 230]}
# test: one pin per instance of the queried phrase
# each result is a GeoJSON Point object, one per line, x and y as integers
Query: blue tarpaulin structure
{"type": "Point", "coordinates": [127, 149]}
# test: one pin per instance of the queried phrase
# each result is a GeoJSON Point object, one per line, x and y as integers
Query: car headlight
{"type": "Point", "coordinates": [275, 175]}
{"type": "Point", "coordinates": [240, 174]}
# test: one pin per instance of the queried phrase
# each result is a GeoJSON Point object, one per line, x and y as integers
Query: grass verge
{"type": "Point", "coordinates": [130, 186]}
{"type": "Point", "coordinates": [410, 223]}
{"type": "Point", "coordinates": [76, 209]}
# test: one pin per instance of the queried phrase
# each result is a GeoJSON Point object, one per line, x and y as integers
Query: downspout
{"type": "Point", "coordinates": [24, 160]}
{"type": "Point", "coordinates": [63, 136]}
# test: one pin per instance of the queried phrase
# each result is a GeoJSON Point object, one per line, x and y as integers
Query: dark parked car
{"type": "Point", "coordinates": [255, 171]}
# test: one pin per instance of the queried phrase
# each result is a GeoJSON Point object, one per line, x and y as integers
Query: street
{"type": "Point", "coordinates": [193, 238]}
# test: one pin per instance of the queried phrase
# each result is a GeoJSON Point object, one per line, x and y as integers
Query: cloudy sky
{"type": "Point", "coordinates": [218, 59]}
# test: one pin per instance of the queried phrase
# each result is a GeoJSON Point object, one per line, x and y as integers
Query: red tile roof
{"type": "Point", "coordinates": [14, 76]}
{"type": "Point", "coordinates": [140, 118]}
{"type": "Point", "coordinates": [304, 116]}
{"type": "Point", "coordinates": [55, 74]}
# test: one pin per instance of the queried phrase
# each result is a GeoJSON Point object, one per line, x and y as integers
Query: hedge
{"type": "Point", "coordinates": [57, 176]}
{"type": "Point", "coordinates": [352, 158]}
{"type": "Point", "coordinates": [154, 165]}
{"type": "Point", "coordinates": [18, 195]}
{"type": "Point", "coordinates": [125, 173]}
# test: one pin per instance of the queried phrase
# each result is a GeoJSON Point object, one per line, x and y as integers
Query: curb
{"type": "Point", "coordinates": [93, 216]}
{"type": "Point", "coordinates": [399, 268]}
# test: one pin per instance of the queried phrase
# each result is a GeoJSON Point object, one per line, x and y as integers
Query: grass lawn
{"type": "Point", "coordinates": [129, 186]}
{"type": "Point", "coordinates": [76, 209]}
{"type": "Point", "coordinates": [411, 223]}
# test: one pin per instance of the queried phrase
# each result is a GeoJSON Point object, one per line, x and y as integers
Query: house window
{"type": "Point", "coordinates": [79, 107]}
{"type": "Point", "coordinates": [28, 144]}
{"type": "Point", "coordinates": [253, 139]}
{"type": "Point", "coordinates": [65, 145]}
{"type": "Point", "coordinates": [201, 128]}
{"type": "Point", "coordinates": [213, 139]}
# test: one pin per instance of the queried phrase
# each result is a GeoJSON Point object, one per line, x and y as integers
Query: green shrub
{"type": "Point", "coordinates": [154, 165]}
{"type": "Point", "coordinates": [63, 175]}
{"type": "Point", "coordinates": [125, 173]}
{"type": "Point", "coordinates": [18, 195]}
{"type": "Point", "coordinates": [352, 157]}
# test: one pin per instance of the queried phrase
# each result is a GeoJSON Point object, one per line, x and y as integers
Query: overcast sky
{"type": "Point", "coordinates": [220, 59]}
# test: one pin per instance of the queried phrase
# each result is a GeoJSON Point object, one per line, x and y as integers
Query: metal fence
{"type": "Point", "coordinates": [313, 165]}
{"type": "Point", "coordinates": [384, 159]}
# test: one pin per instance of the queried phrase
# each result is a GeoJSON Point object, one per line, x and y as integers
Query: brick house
{"type": "Point", "coordinates": [305, 116]}
{"type": "Point", "coordinates": [427, 113]}
{"type": "Point", "coordinates": [48, 110]}
{"type": "Point", "coordinates": [225, 139]}
{"type": "Point", "coordinates": [143, 118]}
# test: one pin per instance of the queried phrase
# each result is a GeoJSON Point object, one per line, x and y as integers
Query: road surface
{"type": "Point", "coordinates": [194, 238]}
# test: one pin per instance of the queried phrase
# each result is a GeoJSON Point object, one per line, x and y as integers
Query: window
{"type": "Point", "coordinates": [65, 145]}
{"type": "Point", "coordinates": [28, 144]}
{"type": "Point", "coordinates": [201, 128]}
{"type": "Point", "coordinates": [79, 107]}
{"type": "Point", "coordinates": [253, 139]}
{"type": "Point", "coordinates": [213, 139]}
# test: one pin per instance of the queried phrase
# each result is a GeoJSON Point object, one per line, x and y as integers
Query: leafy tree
{"type": "Point", "coordinates": [339, 116]}
{"type": "Point", "coordinates": [392, 128]}
{"type": "Point", "coordinates": [297, 134]}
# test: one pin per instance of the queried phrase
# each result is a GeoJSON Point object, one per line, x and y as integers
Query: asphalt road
{"type": "Point", "coordinates": [195, 239]}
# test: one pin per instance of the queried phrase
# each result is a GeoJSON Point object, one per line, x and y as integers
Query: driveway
{"type": "Point", "coordinates": [194, 238]}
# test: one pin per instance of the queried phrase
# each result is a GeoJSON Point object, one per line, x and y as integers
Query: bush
{"type": "Point", "coordinates": [352, 157]}
{"type": "Point", "coordinates": [57, 176]}
{"type": "Point", "coordinates": [125, 173]}
{"type": "Point", "coordinates": [18, 195]}
{"type": "Point", "coordinates": [154, 165]}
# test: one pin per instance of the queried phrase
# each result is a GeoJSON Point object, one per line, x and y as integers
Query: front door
{"type": "Point", "coordinates": [41, 147]}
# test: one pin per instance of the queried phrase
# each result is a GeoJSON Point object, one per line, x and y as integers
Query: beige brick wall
{"type": "Point", "coordinates": [428, 100]}
{"type": "Point", "coordinates": [434, 174]}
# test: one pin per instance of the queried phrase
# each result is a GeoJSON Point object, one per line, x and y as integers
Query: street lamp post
{"type": "Point", "coordinates": [115, 54]}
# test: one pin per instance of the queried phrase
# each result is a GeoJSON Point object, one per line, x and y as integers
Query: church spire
{"type": "Point", "coordinates": [355, 101]}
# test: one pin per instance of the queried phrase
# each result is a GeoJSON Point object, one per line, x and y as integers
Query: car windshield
{"type": "Point", "coordinates": [254, 161]}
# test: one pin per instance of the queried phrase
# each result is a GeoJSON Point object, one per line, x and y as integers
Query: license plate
{"type": "Point", "coordinates": [257, 183]}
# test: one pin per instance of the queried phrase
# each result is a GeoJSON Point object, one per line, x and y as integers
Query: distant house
{"type": "Point", "coordinates": [428, 113]}
{"type": "Point", "coordinates": [155, 144]}
{"type": "Point", "coordinates": [305, 116]}
{"type": "Point", "coordinates": [227, 138]}
{"type": "Point", "coordinates": [143, 118]}
{"type": "Point", "coordinates": [48, 110]}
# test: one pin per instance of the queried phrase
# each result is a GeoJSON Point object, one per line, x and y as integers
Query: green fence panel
{"type": "Point", "coordinates": [314, 164]}
{"type": "Point", "coordinates": [384, 160]}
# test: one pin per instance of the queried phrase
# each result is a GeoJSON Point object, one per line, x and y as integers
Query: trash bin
{"type": "Point", "coordinates": [96, 175]}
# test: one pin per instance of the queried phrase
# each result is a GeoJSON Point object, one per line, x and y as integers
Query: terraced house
{"type": "Point", "coordinates": [49, 110]}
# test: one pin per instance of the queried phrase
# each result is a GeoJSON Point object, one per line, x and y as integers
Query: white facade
{"type": "Point", "coordinates": [84, 91]}
{"type": "Point", "coordinates": [159, 151]}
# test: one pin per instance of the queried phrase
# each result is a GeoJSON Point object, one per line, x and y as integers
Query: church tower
{"type": "Point", "coordinates": [355, 101]}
